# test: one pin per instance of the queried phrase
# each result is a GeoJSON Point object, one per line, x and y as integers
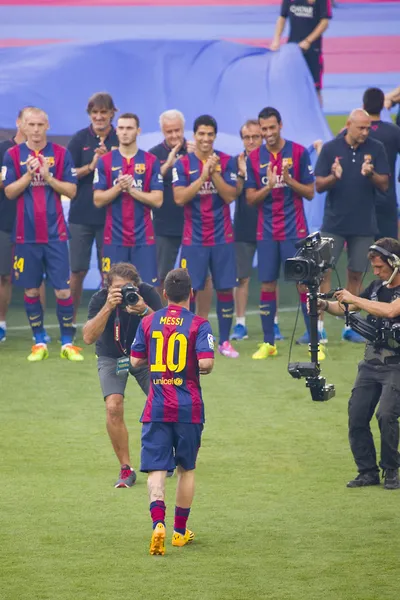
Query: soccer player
{"type": "Point", "coordinates": [308, 19]}
{"type": "Point", "coordinates": [86, 222]}
{"type": "Point", "coordinates": [128, 182]}
{"type": "Point", "coordinates": [205, 186]}
{"type": "Point", "coordinates": [178, 346]}
{"type": "Point", "coordinates": [279, 176]}
{"type": "Point", "coordinates": [35, 175]}
{"type": "Point", "coordinates": [245, 226]}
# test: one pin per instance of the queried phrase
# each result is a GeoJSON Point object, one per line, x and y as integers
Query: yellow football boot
{"type": "Point", "coordinates": [265, 350]}
{"type": "Point", "coordinates": [39, 352]}
{"type": "Point", "coordinates": [71, 352]}
{"type": "Point", "coordinates": [157, 544]}
{"type": "Point", "coordinates": [181, 540]}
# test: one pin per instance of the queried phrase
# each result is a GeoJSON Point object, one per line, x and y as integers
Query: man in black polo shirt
{"type": "Point", "coordinates": [168, 220]}
{"type": "Point", "coordinates": [113, 343]}
{"type": "Point", "coordinates": [86, 222]}
{"type": "Point", "coordinates": [308, 19]}
{"type": "Point", "coordinates": [351, 169]}
{"type": "Point", "coordinates": [389, 135]}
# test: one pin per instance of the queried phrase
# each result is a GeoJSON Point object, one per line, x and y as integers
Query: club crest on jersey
{"type": "Point", "coordinates": [368, 157]}
{"type": "Point", "coordinates": [287, 162]}
{"type": "Point", "coordinates": [50, 160]}
{"type": "Point", "coordinates": [310, 1]}
{"type": "Point", "coordinates": [140, 168]}
{"type": "Point", "coordinates": [114, 147]}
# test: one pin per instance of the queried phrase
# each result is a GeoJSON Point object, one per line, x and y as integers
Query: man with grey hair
{"type": "Point", "coordinates": [168, 220]}
{"type": "Point", "coordinates": [351, 169]}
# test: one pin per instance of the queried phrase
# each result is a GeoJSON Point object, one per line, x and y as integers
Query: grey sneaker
{"type": "Point", "coordinates": [364, 479]}
{"type": "Point", "coordinates": [127, 477]}
{"type": "Point", "coordinates": [391, 479]}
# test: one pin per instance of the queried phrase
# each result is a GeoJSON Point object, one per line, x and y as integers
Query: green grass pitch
{"type": "Point", "coordinates": [272, 515]}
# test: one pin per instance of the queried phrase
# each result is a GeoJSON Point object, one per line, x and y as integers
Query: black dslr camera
{"type": "Point", "coordinates": [313, 258]}
{"type": "Point", "coordinates": [130, 295]}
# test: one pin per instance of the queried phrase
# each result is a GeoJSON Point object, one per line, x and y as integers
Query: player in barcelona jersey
{"type": "Point", "coordinates": [178, 346]}
{"type": "Point", "coordinates": [129, 183]}
{"type": "Point", "coordinates": [279, 176]}
{"type": "Point", "coordinates": [35, 174]}
{"type": "Point", "coordinates": [205, 185]}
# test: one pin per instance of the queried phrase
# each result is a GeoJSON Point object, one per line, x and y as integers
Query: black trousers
{"type": "Point", "coordinates": [375, 383]}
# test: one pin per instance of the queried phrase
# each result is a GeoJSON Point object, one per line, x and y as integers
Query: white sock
{"type": "Point", "coordinates": [320, 326]}
{"type": "Point", "coordinates": [241, 321]}
{"type": "Point", "coordinates": [347, 327]}
{"type": "Point", "coordinates": [276, 320]}
{"type": "Point", "coordinates": [3, 325]}
{"type": "Point", "coordinates": [66, 345]}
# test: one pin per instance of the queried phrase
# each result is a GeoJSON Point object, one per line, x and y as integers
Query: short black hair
{"type": "Point", "coordinates": [101, 100]}
{"type": "Point", "coordinates": [373, 101]}
{"type": "Point", "coordinates": [207, 120]}
{"type": "Point", "coordinates": [123, 270]}
{"type": "Point", "coordinates": [178, 285]}
{"type": "Point", "coordinates": [268, 112]}
{"type": "Point", "coordinates": [388, 244]}
{"type": "Point", "coordinates": [130, 116]}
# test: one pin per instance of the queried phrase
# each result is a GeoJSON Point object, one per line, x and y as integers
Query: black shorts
{"type": "Point", "coordinates": [167, 253]}
{"type": "Point", "coordinates": [80, 245]}
{"type": "Point", "coordinates": [315, 61]}
{"type": "Point", "coordinates": [6, 253]}
{"type": "Point", "coordinates": [245, 252]}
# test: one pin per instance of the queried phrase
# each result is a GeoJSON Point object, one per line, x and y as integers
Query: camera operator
{"type": "Point", "coordinates": [114, 316]}
{"type": "Point", "coordinates": [378, 378]}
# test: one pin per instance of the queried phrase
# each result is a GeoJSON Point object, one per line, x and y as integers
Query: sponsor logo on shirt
{"type": "Point", "coordinates": [302, 11]}
{"type": "Point", "coordinates": [173, 381]}
{"type": "Point", "coordinates": [207, 188]}
{"type": "Point", "coordinates": [160, 178]}
{"type": "Point", "coordinates": [174, 175]}
{"type": "Point", "coordinates": [96, 176]}
{"type": "Point", "coordinates": [140, 168]}
{"type": "Point", "coordinates": [279, 181]}
{"type": "Point", "coordinates": [3, 173]}
{"type": "Point", "coordinates": [210, 340]}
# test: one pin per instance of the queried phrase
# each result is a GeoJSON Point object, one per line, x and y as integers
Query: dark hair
{"type": "Point", "coordinates": [207, 120]}
{"type": "Point", "coordinates": [248, 123]}
{"type": "Point", "coordinates": [130, 116]}
{"type": "Point", "coordinates": [101, 100]}
{"type": "Point", "coordinates": [178, 285]}
{"type": "Point", "coordinates": [268, 112]}
{"type": "Point", "coordinates": [123, 270]}
{"type": "Point", "coordinates": [388, 244]}
{"type": "Point", "coordinates": [373, 101]}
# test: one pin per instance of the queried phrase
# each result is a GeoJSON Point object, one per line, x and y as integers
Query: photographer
{"type": "Point", "coordinates": [114, 316]}
{"type": "Point", "coordinates": [378, 378]}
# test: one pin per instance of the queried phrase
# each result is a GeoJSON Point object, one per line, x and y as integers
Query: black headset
{"type": "Point", "coordinates": [392, 259]}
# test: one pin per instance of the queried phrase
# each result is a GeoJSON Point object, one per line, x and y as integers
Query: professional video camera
{"type": "Point", "coordinates": [130, 295]}
{"type": "Point", "coordinates": [307, 267]}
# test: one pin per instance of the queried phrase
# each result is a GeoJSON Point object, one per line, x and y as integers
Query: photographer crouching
{"type": "Point", "coordinates": [378, 378]}
{"type": "Point", "coordinates": [114, 316]}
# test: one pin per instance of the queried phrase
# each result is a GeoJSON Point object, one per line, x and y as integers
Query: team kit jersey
{"type": "Point", "coordinates": [40, 231]}
{"type": "Point", "coordinates": [128, 231]}
{"type": "Point", "coordinates": [173, 340]}
{"type": "Point", "coordinates": [207, 231]}
{"type": "Point", "coordinates": [304, 16]}
{"type": "Point", "coordinates": [281, 218]}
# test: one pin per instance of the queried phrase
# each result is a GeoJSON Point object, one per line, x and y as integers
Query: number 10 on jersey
{"type": "Point", "coordinates": [176, 338]}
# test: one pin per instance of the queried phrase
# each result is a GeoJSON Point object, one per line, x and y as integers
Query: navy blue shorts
{"type": "Point", "coordinates": [32, 261]}
{"type": "Point", "coordinates": [220, 260]}
{"type": "Point", "coordinates": [144, 258]}
{"type": "Point", "coordinates": [271, 254]}
{"type": "Point", "coordinates": [169, 445]}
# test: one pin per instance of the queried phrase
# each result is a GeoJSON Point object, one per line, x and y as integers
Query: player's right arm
{"type": "Point", "coordinates": [138, 348]}
{"type": "Point", "coordinates": [102, 194]}
{"type": "Point", "coordinates": [184, 193]}
{"type": "Point", "coordinates": [98, 315]}
{"type": "Point", "coordinates": [14, 186]}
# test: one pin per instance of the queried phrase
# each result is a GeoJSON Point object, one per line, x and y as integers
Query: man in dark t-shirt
{"type": "Point", "coordinates": [86, 222]}
{"type": "Point", "coordinates": [351, 169]}
{"type": "Point", "coordinates": [308, 19]}
{"type": "Point", "coordinates": [113, 329]}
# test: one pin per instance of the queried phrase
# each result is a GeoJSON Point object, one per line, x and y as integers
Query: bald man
{"type": "Point", "coordinates": [350, 169]}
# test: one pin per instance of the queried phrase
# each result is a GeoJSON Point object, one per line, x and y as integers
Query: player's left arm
{"type": "Point", "coordinates": [66, 186]}
{"type": "Point", "coordinates": [304, 187]}
{"type": "Point", "coordinates": [138, 348]}
{"type": "Point", "coordinates": [379, 171]}
{"type": "Point", "coordinates": [225, 182]}
{"type": "Point", "coordinates": [205, 348]}
{"type": "Point", "coordinates": [154, 198]}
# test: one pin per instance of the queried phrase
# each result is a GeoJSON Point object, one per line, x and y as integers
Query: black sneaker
{"type": "Point", "coordinates": [392, 481]}
{"type": "Point", "coordinates": [364, 479]}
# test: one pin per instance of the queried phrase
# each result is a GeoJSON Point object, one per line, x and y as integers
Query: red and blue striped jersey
{"type": "Point", "coordinates": [173, 340]}
{"type": "Point", "coordinates": [281, 214]}
{"type": "Point", "coordinates": [207, 218]}
{"type": "Point", "coordinates": [40, 217]}
{"type": "Point", "coordinates": [128, 221]}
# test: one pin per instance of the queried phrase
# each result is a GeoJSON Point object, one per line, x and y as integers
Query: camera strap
{"type": "Point", "coordinates": [118, 334]}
